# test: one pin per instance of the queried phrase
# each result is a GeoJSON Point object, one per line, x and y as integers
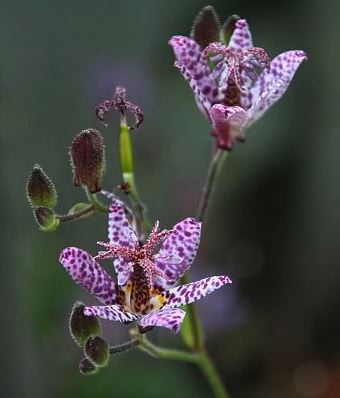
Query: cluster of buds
{"type": "Point", "coordinates": [42, 196]}
{"type": "Point", "coordinates": [86, 332]}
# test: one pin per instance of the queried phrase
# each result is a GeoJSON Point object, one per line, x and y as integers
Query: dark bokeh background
{"type": "Point", "coordinates": [275, 221]}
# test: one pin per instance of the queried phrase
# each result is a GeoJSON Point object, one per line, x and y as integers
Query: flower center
{"type": "Point", "coordinates": [235, 69]}
{"type": "Point", "coordinates": [139, 294]}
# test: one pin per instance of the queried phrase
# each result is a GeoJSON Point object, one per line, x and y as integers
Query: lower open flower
{"type": "Point", "coordinates": [145, 290]}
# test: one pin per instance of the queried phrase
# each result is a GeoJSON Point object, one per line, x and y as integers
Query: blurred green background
{"type": "Point", "coordinates": [275, 221]}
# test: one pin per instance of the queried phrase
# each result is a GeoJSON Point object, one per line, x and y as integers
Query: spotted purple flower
{"type": "Point", "coordinates": [234, 84]}
{"type": "Point", "coordinates": [145, 290]}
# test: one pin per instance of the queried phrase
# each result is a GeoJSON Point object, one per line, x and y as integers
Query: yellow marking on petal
{"type": "Point", "coordinates": [158, 301]}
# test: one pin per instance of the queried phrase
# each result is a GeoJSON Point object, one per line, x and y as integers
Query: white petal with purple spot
{"type": "Point", "coordinates": [111, 312]}
{"type": "Point", "coordinates": [85, 271]}
{"type": "Point", "coordinates": [171, 318]}
{"type": "Point", "coordinates": [273, 83]}
{"type": "Point", "coordinates": [194, 291]}
{"type": "Point", "coordinates": [121, 234]}
{"type": "Point", "coordinates": [241, 37]}
{"type": "Point", "coordinates": [178, 251]}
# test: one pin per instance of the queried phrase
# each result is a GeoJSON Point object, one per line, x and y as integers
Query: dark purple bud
{"type": "Point", "coordinates": [40, 189]}
{"type": "Point", "coordinates": [82, 327]}
{"type": "Point", "coordinates": [97, 351]}
{"type": "Point", "coordinates": [229, 27]}
{"type": "Point", "coordinates": [88, 159]}
{"type": "Point", "coordinates": [45, 218]}
{"type": "Point", "coordinates": [87, 368]}
{"type": "Point", "coordinates": [206, 27]}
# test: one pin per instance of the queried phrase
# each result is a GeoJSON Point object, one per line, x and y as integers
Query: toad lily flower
{"type": "Point", "coordinates": [144, 290]}
{"type": "Point", "coordinates": [234, 85]}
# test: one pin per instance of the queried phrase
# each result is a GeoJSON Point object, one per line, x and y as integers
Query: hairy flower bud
{"type": "Point", "coordinates": [81, 326]}
{"type": "Point", "coordinates": [46, 218]}
{"type": "Point", "coordinates": [87, 368]}
{"type": "Point", "coordinates": [229, 27]}
{"type": "Point", "coordinates": [40, 189]}
{"type": "Point", "coordinates": [88, 159]}
{"type": "Point", "coordinates": [97, 351]}
{"type": "Point", "coordinates": [206, 27]}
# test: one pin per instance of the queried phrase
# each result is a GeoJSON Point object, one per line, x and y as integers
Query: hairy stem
{"type": "Point", "coordinates": [75, 216]}
{"type": "Point", "coordinates": [117, 349]}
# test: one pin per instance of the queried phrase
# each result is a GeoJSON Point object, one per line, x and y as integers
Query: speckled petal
{"type": "Point", "coordinates": [189, 54]}
{"type": "Point", "coordinates": [228, 125]}
{"type": "Point", "coordinates": [87, 273]}
{"type": "Point", "coordinates": [111, 312]}
{"type": "Point", "coordinates": [241, 37]}
{"type": "Point", "coordinates": [194, 291]}
{"type": "Point", "coordinates": [178, 251]}
{"type": "Point", "coordinates": [171, 318]}
{"type": "Point", "coordinates": [121, 234]}
{"type": "Point", "coordinates": [201, 100]}
{"type": "Point", "coordinates": [273, 83]}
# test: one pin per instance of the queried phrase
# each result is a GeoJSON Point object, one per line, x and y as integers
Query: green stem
{"type": "Point", "coordinates": [117, 349]}
{"type": "Point", "coordinates": [93, 199]}
{"type": "Point", "coordinates": [165, 353]}
{"type": "Point", "coordinates": [74, 216]}
{"type": "Point", "coordinates": [212, 376]}
{"type": "Point", "coordinates": [204, 362]}
{"type": "Point", "coordinates": [213, 172]}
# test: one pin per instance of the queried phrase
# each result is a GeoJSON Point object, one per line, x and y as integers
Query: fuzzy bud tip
{"type": "Point", "coordinates": [40, 189]}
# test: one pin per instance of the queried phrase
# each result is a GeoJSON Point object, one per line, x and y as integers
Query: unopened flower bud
{"type": "Point", "coordinates": [229, 27]}
{"type": "Point", "coordinates": [88, 159]}
{"type": "Point", "coordinates": [40, 189]}
{"type": "Point", "coordinates": [46, 218]}
{"type": "Point", "coordinates": [81, 326]}
{"type": "Point", "coordinates": [97, 350]}
{"type": "Point", "coordinates": [206, 27]}
{"type": "Point", "coordinates": [87, 368]}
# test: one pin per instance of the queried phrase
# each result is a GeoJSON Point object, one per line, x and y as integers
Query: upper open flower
{"type": "Point", "coordinates": [145, 278]}
{"type": "Point", "coordinates": [234, 84]}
